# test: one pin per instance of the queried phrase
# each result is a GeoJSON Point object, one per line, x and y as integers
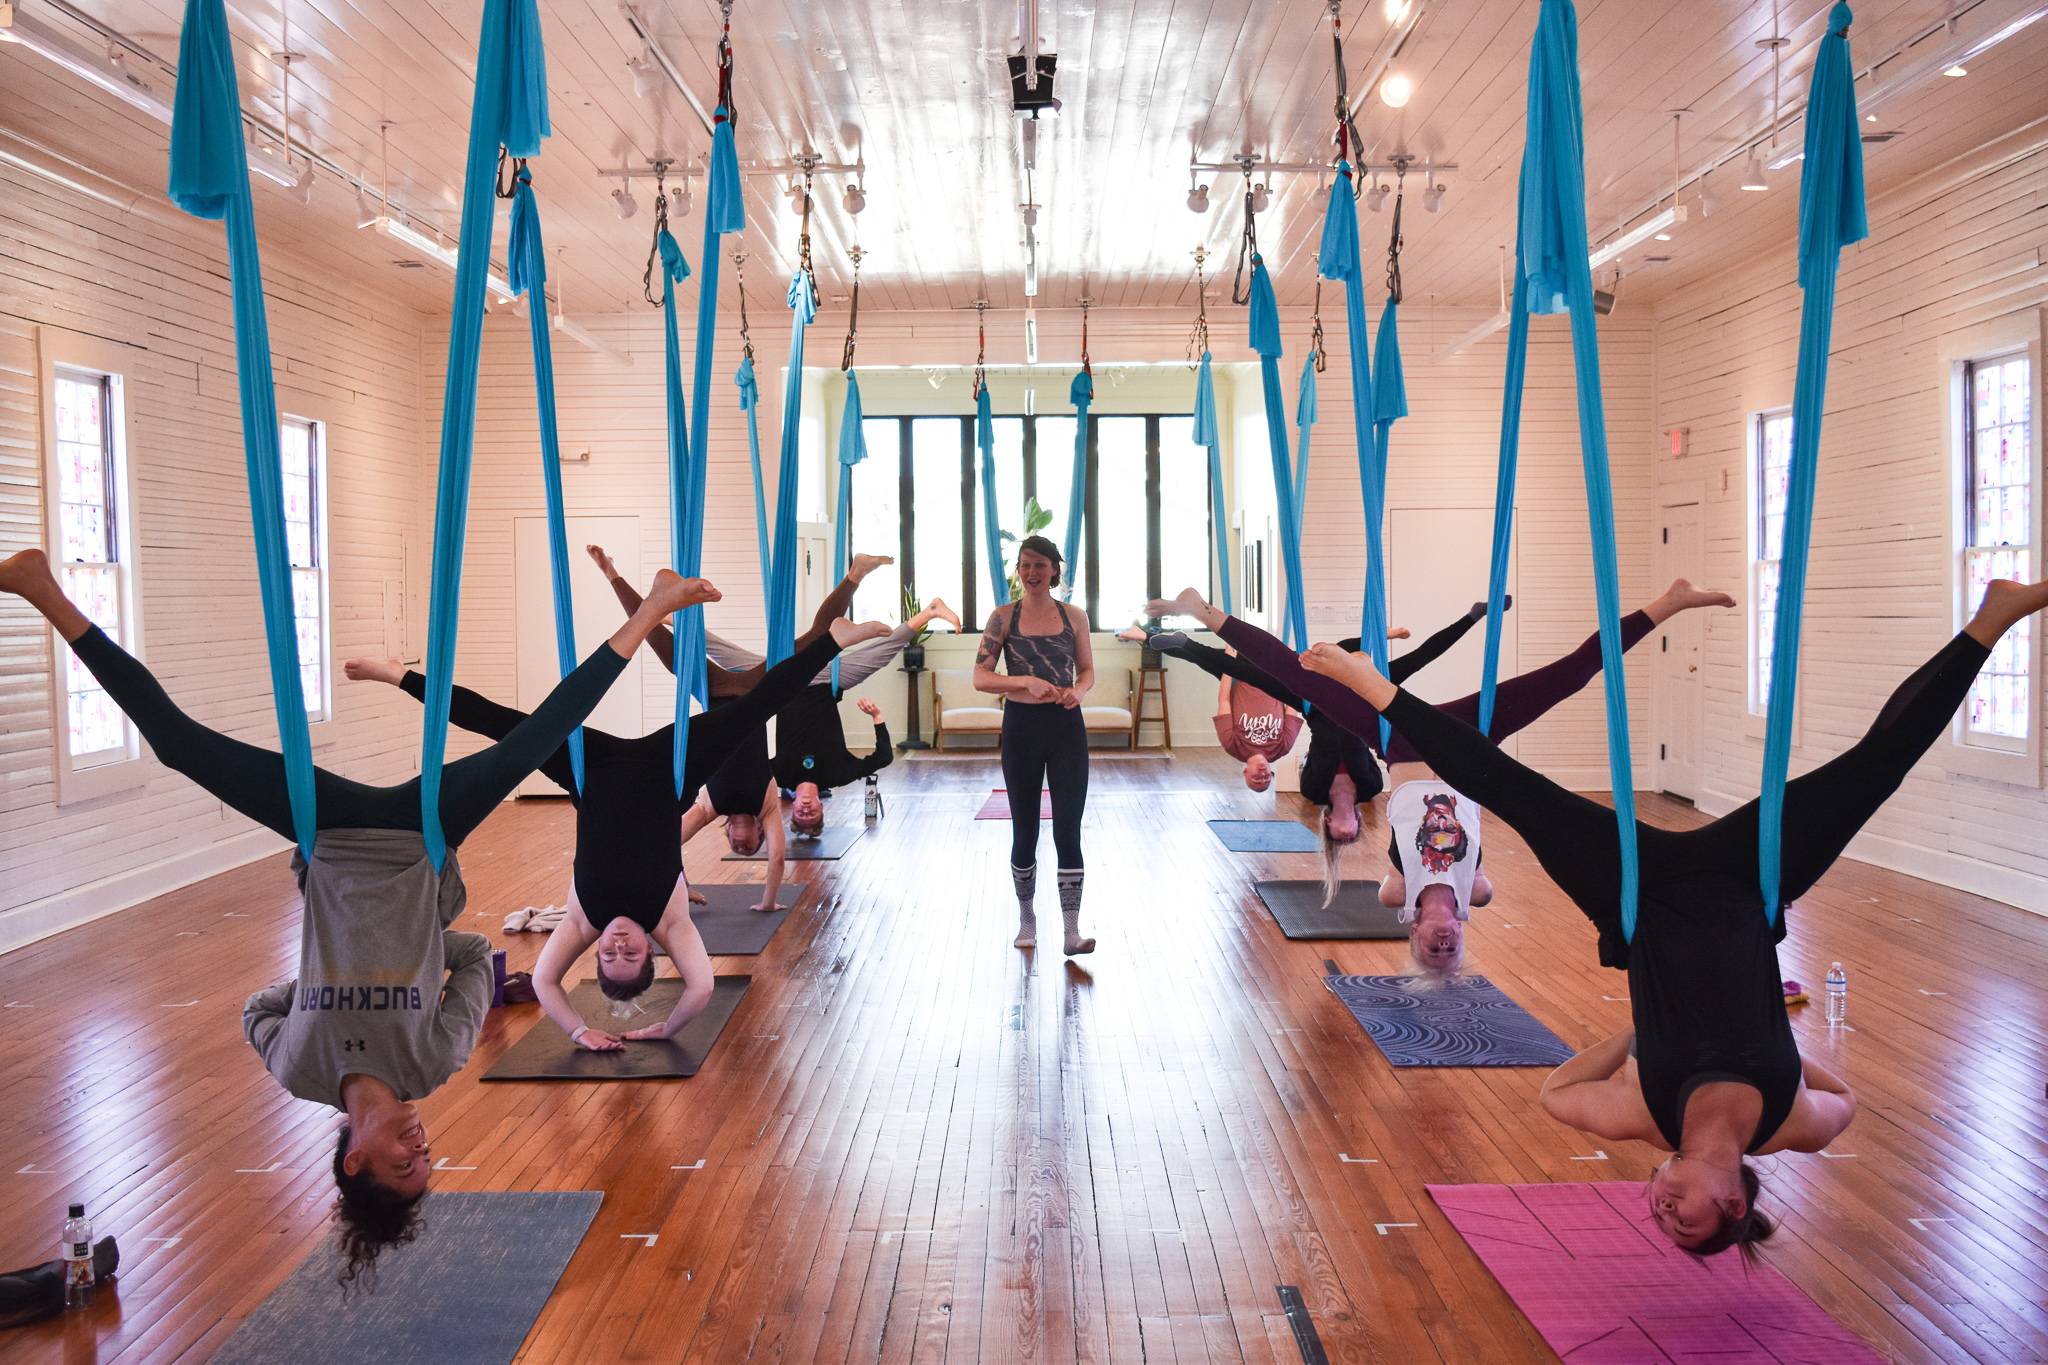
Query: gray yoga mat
{"type": "Point", "coordinates": [1265, 836]}
{"type": "Point", "coordinates": [728, 923]}
{"type": "Point", "coordinates": [465, 1292]}
{"type": "Point", "coordinates": [546, 1054]}
{"type": "Point", "coordinates": [1469, 1022]}
{"type": "Point", "coordinates": [828, 846]}
{"type": "Point", "coordinates": [1356, 912]}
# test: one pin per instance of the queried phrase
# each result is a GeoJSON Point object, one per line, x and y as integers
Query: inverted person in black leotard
{"type": "Point", "coordinates": [1709, 1071]}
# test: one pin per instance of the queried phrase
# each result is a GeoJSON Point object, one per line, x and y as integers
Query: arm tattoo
{"type": "Point", "coordinates": [991, 647]}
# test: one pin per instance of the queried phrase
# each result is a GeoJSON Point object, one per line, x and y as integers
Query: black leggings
{"type": "Point", "coordinates": [251, 780]}
{"type": "Point", "coordinates": [1045, 744]}
{"type": "Point", "coordinates": [1578, 841]}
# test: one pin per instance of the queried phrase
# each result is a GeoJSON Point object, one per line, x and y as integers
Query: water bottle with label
{"type": "Point", "coordinates": [871, 803]}
{"type": "Point", "coordinates": [1838, 995]}
{"type": "Point", "coordinates": [78, 1284]}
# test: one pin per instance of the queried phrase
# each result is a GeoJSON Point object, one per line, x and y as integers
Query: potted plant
{"type": "Point", "coordinates": [913, 653]}
{"type": "Point", "coordinates": [1036, 519]}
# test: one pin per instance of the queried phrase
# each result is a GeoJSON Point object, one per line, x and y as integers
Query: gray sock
{"type": "Point", "coordinates": [1070, 910]}
{"type": "Point", "coordinates": [1025, 879]}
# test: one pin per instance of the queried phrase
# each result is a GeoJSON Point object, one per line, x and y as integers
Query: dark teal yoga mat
{"type": "Point", "coordinates": [1265, 836]}
{"type": "Point", "coordinates": [465, 1292]}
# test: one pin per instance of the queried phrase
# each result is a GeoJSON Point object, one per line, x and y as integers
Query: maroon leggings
{"type": "Point", "coordinates": [1517, 701]}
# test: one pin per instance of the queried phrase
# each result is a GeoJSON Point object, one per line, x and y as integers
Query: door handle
{"type": "Point", "coordinates": [1692, 668]}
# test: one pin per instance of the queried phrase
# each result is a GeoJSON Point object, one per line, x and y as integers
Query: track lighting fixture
{"type": "Point", "coordinates": [366, 213]}
{"type": "Point", "coordinates": [857, 199]}
{"type": "Point", "coordinates": [1753, 173]}
{"type": "Point", "coordinates": [1395, 90]}
{"type": "Point", "coordinates": [304, 189]}
{"type": "Point", "coordinates": [797, 196]}
{"type": "Point", "coordinates": [1198, 196]}
{"type": "Point", "coordinates": [1261, 196]}
{"type": "Point", "coordinates": [624, 202]}
{"type": "Point", "coordinates": [1376, 197]}
{"type": "Point", "coordinates": [679, 199]}
{"type": "Point", "coordinates": [646, 74]}
{"type": "Point", "coordinates": [1433, 197]}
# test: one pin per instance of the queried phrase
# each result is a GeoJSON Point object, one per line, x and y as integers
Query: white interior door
{"type": "Point", "coordinates": [598, 615]}
{"type": "Point", "coordinates": [1437, 567]}
{"type": "Point", "coordinates": [1678, 707]}
{"type": "Point", "coordinates": [814, 570]}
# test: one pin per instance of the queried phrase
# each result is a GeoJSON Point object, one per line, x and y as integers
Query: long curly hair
{"type": "Point", "coordinates": [369, 1216]}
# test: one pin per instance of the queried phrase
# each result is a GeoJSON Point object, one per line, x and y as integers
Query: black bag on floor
{"type": "Point", "coordinates": [37, 1294]}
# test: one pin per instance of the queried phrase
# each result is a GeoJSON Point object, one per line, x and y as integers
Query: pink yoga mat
{"type": "Point", "coordinates": [997, 807]}
{"type": "Point", "coordinates": [1604, 1287]}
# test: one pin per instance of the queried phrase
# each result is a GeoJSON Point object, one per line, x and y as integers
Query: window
{"type": "Point", "coordinates": [1772, 456]}
{"type": "Point", "coordinates": [300, 457]}
{"type": "Point", "coordinates": [1998, 522]}
{"type": "Point", "coordinates": [1145, 528]}
{"type": "Point", "coordinates": [89, 554]}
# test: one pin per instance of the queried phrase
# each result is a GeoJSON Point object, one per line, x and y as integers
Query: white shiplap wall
{"type": "Point", "coordinates": [1945, 264]}
{"type": "Point", "coordinates": [156, 283]}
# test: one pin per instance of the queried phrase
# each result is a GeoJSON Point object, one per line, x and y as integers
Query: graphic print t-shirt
{"type": "Point", "coordinates": [1436, 829]}
{"type": "Point", "coordinates": [1257, 724]}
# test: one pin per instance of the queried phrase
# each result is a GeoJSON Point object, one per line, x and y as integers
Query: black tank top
{"type": "Point", "coordinates": [742, 780]}
{"type": "Point", "coordinates": [1050, 657]}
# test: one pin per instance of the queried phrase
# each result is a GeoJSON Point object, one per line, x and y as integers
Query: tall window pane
{"type": "Point", "coordinates": [876, 520]}
{"type": "Point", "coordinates": [1183, 508]}
{"type": "Point", "coordinates": [1773, 475]}
{"type": "Point", "coordinates": [935, 478]}
{"type": "Point", "coordinates": [88, 551]}
{"type": "Point", "coordinates": [1121, 500]}
{"type": "Point", "coordinates": [299, 460]}
{"type": "Point", "coordinates": [1998, 473]}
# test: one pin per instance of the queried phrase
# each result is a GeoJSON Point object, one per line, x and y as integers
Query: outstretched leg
{"type": "Point", "coordinates": [467, 710]}
{"type": "Point", "coordinates": [1219, 663]}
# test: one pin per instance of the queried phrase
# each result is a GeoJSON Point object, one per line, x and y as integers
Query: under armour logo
{"type": "Point", "coordinates": [354, 1045]}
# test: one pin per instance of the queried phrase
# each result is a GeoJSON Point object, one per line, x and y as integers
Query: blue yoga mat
{"type": "Point", "coordinates": [1265, 836]}
{"type": "Point", "coordinates": [1468, 1023]}
{"type": "Point", "coordinates": [465, 1292]}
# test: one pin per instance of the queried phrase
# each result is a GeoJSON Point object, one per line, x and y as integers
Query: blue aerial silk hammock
{"type": "Point", "coordinates": [510, 109]}
{"type": "Point", "coordinates": [991, 522]}
{"type": "Point", "coordinates": [209, 178]}
{"type": "Point", "coordinates": [1338, 259]}
{"type": "Point", "coordinates": [853, 448]}
{"type": "Point", "coordinates": [803, 307]}
{"type": "Point", "coordinates": [750, 402]}
{"type": "Point", "coordinates": [527, 262]}
{"type": "Point", "coordinates": [1389, 405]}
{"type": "Point", "coordinates": [1552, 276]}
{"type": "Point", "coordinates": [1206, 433]}
{"type": "Point", "coordinates": [1305, 418]}
{"type": "Point", "coordinates": [1081, 393]}
{"type": "Point", "coordinates": [685, 479]}
{"type": "Point", "coordinates": [1265, 327]}
{"type": "Point", "coordinates": [1831, 216]}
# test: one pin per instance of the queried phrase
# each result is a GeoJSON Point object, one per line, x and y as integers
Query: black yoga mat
{"type": "Point", "coordinates": [1469, 1022]}
{"type": "Point", "coordinates": [829, 845]}
{"type": "Point", "coordinates": [1265, 836]}
{"type": "Point", "coordinates": [466, 1291]}
{"type": "Point", "coordinates": [728, 923]}
{"type": "Point", "coordinates": [546, 1054]}
{"type": "Point", "coordinates": [1356, 912]}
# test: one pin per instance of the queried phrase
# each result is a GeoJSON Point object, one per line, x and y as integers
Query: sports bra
{"type": "Point", "coordinates": [1050, 657]}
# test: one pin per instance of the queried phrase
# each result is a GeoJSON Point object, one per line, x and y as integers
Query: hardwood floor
{"type": "Point", "coordinates": [918, 1143]}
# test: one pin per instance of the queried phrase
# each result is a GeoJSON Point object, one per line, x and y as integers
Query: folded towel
{"type": "Point", "coordinates": [535, 919]}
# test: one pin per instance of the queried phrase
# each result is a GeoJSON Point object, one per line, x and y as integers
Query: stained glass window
{"type": "Point", "coordinates": [1773, 481]}
{"type": "Point", "coordinates": [1998, 521]}
{"type": "Point", "coordinates": [88, 550]}
{"type": "Point", "coordinates": [299, 459]}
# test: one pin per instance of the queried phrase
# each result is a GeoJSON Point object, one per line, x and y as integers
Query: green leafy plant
{"type": "Point", "coordinates": [1036, 519]}
{"type": "Point", "coordinates": [911, 607]}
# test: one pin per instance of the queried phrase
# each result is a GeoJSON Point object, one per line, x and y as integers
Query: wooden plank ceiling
{"type": "Point", "coordinates": [918, 90]}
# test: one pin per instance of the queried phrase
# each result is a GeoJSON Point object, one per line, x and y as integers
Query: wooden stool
{"type": "Point", "coordinates": [1152, 682]}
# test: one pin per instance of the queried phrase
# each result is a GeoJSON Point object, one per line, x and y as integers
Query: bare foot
{"type": "Point", "coordinates": [23, 572]}
{"type": "Point", "coordinates": [945, 613]}
{"type": "Point", "coordinates": [848, 633]}
{"type": "Point", "coordinates": [1398, 633]}
{"type": "Point", "coordinates": [1135, 634]}
{"type": "Point", "coordinates": [1189, 603]}
{"type": "Point", "coordinates": [863, 565]}
{"type": "Point", "coordinates": [27, 575]}
{"type": "Point", "coordinates": [2006, 603]}
{"type": "Point", "coordinates": [604, 561]}
{"type": "Point", "coordinates": [1355, 671]}
{"type": "Point", "coordinates": [671, 592]}
{"type": "Point", "coordinates": [1683, 596]}
{"type": "Point", "coordinates": [375, 670]}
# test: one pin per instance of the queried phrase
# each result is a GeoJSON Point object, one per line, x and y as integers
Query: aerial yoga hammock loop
{"type": "Point", "coordinates": [1552, 276]}
{"type": "Point", "coordinates": [1389, 390]}
{"type": "Point", "coordinates": [1831, 216]}
{"type": "Point", "coordinates": [209, 178]}
{"type": "Point", "coordinates": [1080, 393]}
{"type": "Point", "coordinates": [1265, 339]}
{"type": "Point", "coordinates": [527, 269]}
{"type": "Point", "coordinates": [1207, 433]}
{"type": "Point", "coordinates": [1305, 418]}
{"type": "Point", "coordinates": [985, 439]}
{"type": "Point", "coordinates": [853, 442]}
{"type": "Point", "coordinates": [750, 403]}
{"type": "Point", "coordinates": [802, 298]}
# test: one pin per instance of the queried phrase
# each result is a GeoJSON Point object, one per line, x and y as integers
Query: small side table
{"type": "Point", "coordinates": [915, 741]}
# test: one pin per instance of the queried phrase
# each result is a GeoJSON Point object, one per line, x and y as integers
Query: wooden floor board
{"type": "Point", "coordinates": [921, 1145]}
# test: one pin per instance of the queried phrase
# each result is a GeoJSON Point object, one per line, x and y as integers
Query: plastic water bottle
{"type": "Point", "coordinates": [78, 1285]}
{"type": "Point", "coordinates": [1838, 995]}
{"type": "Point", "coordinates": [871, 803]}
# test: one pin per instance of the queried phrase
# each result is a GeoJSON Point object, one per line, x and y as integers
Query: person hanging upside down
{"type": "Point", "coordinates": [1050, 668]}
{"type": "Point", "coordinates": [629, 843]}
{"type": "Point", "coordinates": [388, 999]}
{"type": "Point", "coordinates": [1709, 1070]}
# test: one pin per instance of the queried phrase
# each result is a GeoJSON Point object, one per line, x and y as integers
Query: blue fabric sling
{"type": "Point", "coordinates": [803, 308]}
{"type": "Point", "coordinates": [1207, 434]}
{"type": "Point", "coordinates": [853, 448]}
{"type": "Point", "coordinates": [1831, 216]}
{"type": "Point", "coordinates": [1552, 276]}
{"type": "Point", "coordinates": [1080, 393]}
{"type": "Point", "coordinates": [1265, 329]}
{"type": "Point", "coordinates": [685, 499]}
{"type": "Point", "coordinates": [209, 178]}
{"type": "Point", "coordinates": [527, 262]}
{"type": "Point", "coordinates": [991, 521]}
{"type": "Point", "coordinates": [1305, 416]}
{"type": "Point", "coordinates": [750, 403]}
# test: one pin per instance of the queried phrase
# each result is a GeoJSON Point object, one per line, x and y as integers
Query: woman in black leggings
{"type": "Point", "coordinates": [1709, 1071]}
{"type": "Point", "coordinates": [388, 1001]}
{"type": "Point", "coordinates": [629, 836]}
{"type": "Point", "coordinates": [1050, 669]}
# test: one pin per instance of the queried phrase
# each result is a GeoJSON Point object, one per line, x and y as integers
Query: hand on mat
{"type": "Point", "coordinates": [874, 712]}
{"type": "Point", "coordinates": [697, 897]}
{"type": "Point", "coordinates": [764, 905]}
{"type": "Point", "coordinates": [597, 1040]}
{"type": "Point", "coordinates": [653, 1033]}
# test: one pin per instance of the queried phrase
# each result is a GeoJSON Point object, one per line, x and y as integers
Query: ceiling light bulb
{"type": "Point", "coordinates": [1956, 70]}
{"type": "Point", "coordinates": [1261, 196]}
{"type": "Point", "coordinates": [366, 213]}
{"type": "Point", "coordinates": [1395, 90]}
{"type": "Point", "coordinates": [797, 196]}
{"type": "Point", "coordinates": [1376, 197]}
{"type": "Point", "coordinates": [624, 202]}
{"type": "Point", "coordinates": [646, 74]}
{"type": "Point", "coordinates": [1433, 199]}
{"type": "Point", "coordinates": [1753, 173]}
{"type": "Point", "coordinates": [679, 200]}
{"type": "Point", "coordinates": [1198, 199]}
{"type": "Point", "coordinates": [857, 199]}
